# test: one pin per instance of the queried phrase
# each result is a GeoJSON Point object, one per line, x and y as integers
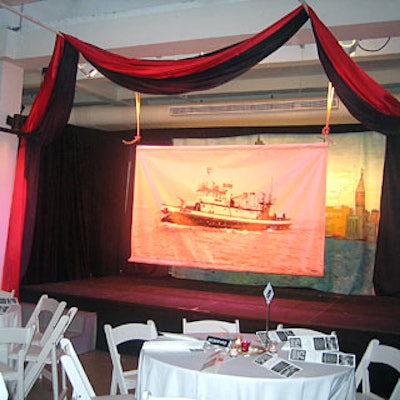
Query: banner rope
{"type": "Point", "coordinates": [329, 98]}
{"type": "Point", "coordinates": [137, 137]}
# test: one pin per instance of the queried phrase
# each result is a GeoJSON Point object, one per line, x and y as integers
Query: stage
{"type": "Point", "coordinates": [127, 298]}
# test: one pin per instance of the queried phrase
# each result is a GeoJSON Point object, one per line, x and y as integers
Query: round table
{"type": "Point", "coordinates": [179, 372]}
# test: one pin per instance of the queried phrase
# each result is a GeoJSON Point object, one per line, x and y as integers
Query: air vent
{"type": "Point", "coordinates": [270, 106]}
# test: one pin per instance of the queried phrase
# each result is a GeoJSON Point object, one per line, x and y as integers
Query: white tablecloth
{"type": "Point", "coordinates": [178, 373]}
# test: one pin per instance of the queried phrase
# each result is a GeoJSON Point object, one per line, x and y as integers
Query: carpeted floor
{"type": "Point", "coordinates": [97, 365]}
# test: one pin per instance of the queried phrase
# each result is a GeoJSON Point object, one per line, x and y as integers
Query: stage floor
{"type": "Point", "coordinates": [290, 306]}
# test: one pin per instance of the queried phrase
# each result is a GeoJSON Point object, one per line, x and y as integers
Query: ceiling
{"type": "Point", "coordinates": [18, 2]}
{"type": "Point", "coordinates": [292, 72]}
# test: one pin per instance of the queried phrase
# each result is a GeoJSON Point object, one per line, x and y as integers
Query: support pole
{"type": "Point", "coordinates": [27, 17]}
{"type": "Point", "coordinates": [305, 5]}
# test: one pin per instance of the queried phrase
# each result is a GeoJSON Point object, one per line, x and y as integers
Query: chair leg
{"type": "Point", "coordinates": [19, 388]}
{"type": "Point", "coordinates": [113, 390]}
{"type": "Point", "coordinates": [52, 376]}
{"type": "Point", "coordinates": [64, 393]}
{"type": "Point", "coordinates": [54, 373]}
{"type": "Point", "coordinates": [55, 384]}
{"type": "Point", "coordinates": [64, 386]}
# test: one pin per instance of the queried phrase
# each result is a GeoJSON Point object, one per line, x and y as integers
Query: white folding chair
{"type": "Point", "coordinates": [303, 331]}
{"type": "Point", "coordinates": [47, 354]}
{"type": "Point", "coordinates": [381, 354]}
{"type": "Point", "coordinates": [45, 316]}
{"type": "Point", "coordinates": [81, 386]}
{"type": "Point", "coordinates": [121, 380]}
{"type": "Point", "coordinates": [210, 325]}
{"type": "Point", "coordinates": [14, 372]}
{"type": "Point", "coordinates": [146, 395]}
{"type": "Point", "coordinates": [3, 389]}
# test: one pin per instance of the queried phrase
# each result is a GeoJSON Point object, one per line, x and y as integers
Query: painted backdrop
{"type": "Point", "coordinates": [353, 192]}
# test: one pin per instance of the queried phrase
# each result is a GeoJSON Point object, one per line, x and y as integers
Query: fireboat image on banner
{"type": "Point", "coordinates": [217, 207]}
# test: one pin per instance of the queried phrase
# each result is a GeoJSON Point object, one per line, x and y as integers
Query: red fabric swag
{"type": "Point", "coordinates": [39, 107]}
{"type": "Point", "coordinates": [12, 258]}
{"type": "Point", "coordinates": [163, 69]}
{"type": "Point", "coordinates": [353, 75]}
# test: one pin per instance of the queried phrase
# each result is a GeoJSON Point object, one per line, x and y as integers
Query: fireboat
{"type": "Point", "coordinates": [216, 207]}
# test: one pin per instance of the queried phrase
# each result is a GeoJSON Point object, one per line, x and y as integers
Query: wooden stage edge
{"type": "Point", "coordinates": [136, 298]}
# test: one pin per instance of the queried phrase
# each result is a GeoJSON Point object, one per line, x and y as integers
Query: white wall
{"type": "Point", "coordinates": [11, 78]}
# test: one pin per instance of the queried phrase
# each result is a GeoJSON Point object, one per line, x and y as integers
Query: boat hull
{"type": "Point", "coordinates": [189, 217]}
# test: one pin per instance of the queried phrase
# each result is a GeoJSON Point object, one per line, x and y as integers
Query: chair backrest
{"type": "Point", "coordinates": [210, 325]}
{"type": "Point", "coordinates": [12, 336]}
{"type": "Point", "coordinates": [122, 334]}
{"type": "Point", "coordinates": [45, 316]}
{"type": "Point", "coordinates": [381, 354]}
{"type": "Point", "coordinates": [34, 369]}
{"type": "Point", "coordinates": [21, 338]}
{"type": "Point", "coordinates": [81, 385]}
{"type": "Point", "coordinates": [146, 395]}
{"type": "Point", "coordinates": [71, 312]}
{"type": "Point", "coordinates": [303, 331]}
{"type": "Point", "coordinates": [131, 331]}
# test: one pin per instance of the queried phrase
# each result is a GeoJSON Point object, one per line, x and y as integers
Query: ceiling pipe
{"type": "Point", "coordinates": [112, 118]}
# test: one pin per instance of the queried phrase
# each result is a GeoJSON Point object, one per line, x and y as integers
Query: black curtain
{"type": "Point", "coordinates": [387, 272]}
{"type": "Point", "coordinates": [84, 207]}
{"type": "Point", "coordinates": [83, 219]}
{"type": "Point", "coordinates": [85, 201]}
{"type": "Point", "coordinates": [57, 104]}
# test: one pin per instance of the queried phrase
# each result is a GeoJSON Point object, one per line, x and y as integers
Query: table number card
{"type": "Point", "coordinates": [268, 293]}
{"type": "Point", "coordinates": [219, 341]}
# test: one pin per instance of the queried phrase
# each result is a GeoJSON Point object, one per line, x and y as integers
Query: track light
{"type": "Point", "coordinates": [87, 70]}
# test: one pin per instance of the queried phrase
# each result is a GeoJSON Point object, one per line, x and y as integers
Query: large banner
{"type": "Point", "coordinates": [236, 208]}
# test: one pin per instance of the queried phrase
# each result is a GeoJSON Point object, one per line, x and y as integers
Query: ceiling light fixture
{"type": "Point", "coordinates": [350, 48]}
{"type": "Point", "coordinates": [87, 70]}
